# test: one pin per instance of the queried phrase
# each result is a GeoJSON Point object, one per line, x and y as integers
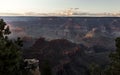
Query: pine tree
{"type": "Point", "coordinates": [114, 68]}
{"type": "Point", "coordinates": [95, 69]}
{"type": "Point", "coordinates": [10, 54]}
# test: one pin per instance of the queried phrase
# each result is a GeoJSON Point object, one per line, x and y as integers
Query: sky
{"type": "Point", "coordinates": [52, 6]}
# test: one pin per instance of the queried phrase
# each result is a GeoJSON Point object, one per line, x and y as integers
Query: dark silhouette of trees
{"type": "Point", "coordinates": [114, 67]}
{"type": "Point", "coordinates": [10, 54]}
{"type": "Point", "coordinates": [46, 68]}
{"type": "Point", "coordinates": [95, 69]}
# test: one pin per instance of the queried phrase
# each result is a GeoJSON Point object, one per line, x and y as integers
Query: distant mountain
{"type": "Point", "coordinates": [89, 31]}
{"type": "Point", "coordinates": [65, 57]}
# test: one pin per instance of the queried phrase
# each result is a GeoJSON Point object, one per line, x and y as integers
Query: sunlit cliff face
{"type": "Point", "coordinates": [91, 33]}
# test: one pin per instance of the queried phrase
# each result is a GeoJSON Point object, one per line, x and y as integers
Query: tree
{"type": "Point", "coordinates": [46, 68]}
{"type": "Point", "coordinates": [10, 54]}
{"type": "Point", "coordinates": [114, 68]}
{"type": "Point", "coordinates": [95, 69]}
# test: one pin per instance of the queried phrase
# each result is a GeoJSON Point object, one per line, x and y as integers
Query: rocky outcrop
{"type": "Point", "coordinates": [33, 66]}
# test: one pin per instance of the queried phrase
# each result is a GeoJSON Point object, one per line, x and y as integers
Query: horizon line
{"type": "Point", "coordinates": [104, 14]}
{"type": "Point", "coordinates": [50, 16]}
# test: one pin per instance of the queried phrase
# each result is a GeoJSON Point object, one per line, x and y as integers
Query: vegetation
{"type": "Point", "coordinates": [11, 61]}
{"type": "Point", "coordinates": [113, 68]}
{"type": "Point", "coordinates": [95, 69]}
{"type": "Point", "coordinates": [10, 54]}
{"type": "Point", "coordinates": [46, 68]}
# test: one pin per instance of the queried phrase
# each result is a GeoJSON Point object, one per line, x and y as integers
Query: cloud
{"type": "Point", "coordinates": [66, 12]}
{"type": "Point", "coordinates": [34, 14]}
{"type": "Point", "coordinates": [10, 14]}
